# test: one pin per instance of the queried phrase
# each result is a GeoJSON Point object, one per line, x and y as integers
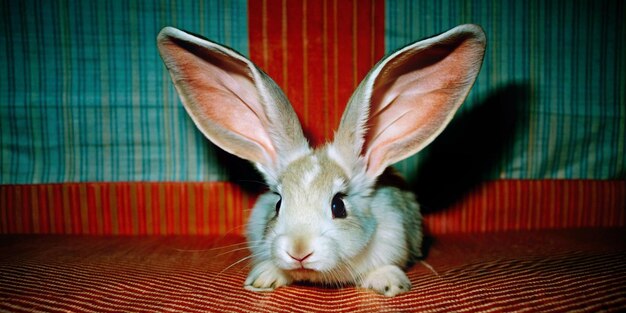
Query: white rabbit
{"type": "Point", "coordinates": [329, 217]}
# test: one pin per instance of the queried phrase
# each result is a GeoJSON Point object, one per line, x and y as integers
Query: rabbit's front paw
{"type": "Point", "coordinates": [265, 276]}
{"type": "Point", "coordinates": [388, 280]}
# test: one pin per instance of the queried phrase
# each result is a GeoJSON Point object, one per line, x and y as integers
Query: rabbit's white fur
{"type": "Point", "coordinates": [402, 105]}
{"type": "Point", "coordinates": [374, 234]}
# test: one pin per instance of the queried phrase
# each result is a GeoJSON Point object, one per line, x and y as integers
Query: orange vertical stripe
{"type": "Point", "coordinates": [119, 209]}
{"type": "Point", "coordinates": [335, 104]}
{"type": "Point", "coordinates": [159, 208]}
{"type": "Point", "coordinates": [19, 218]}
{"type": "Point", "coordinates": [54, 193]}
{"type": "Point", "coordinates": [4, 209]}
{"type": "Point", "coordinates": [71, 209]}
{"type": "Point", "coordinates": [157, 205]}
{"type": "Point", "coordinates": [147, 203]}
{"type": "Point", "coordinates": [200, 209]}
{"type": "Point", "coordinates": [237, 209]}
{"type": "Point", "coordinates": [184, 209]}
{"type": "Point", "coordinates": [17, 214]}
{"type": "Point", "coordinates": [133, 209]}
{"type": "Point", "coordinates": [167, 210]}
{"type": "Point", "coordinates": [273, 40]}
{"type": "Point", "coordinates": [318, 34]}
{"type": "Point", "coordinates": [355, 42]}
{"type": "Point", "coordinates": [213, 207]}
{"type": "Point", "coordinates": [255, 18]}
{"type": "Point", "coordinates": [105, 209]}
{"type": "Point", "coordinates": [13, 220]}
{"type": "Point", "coordinates": [141, 209]}
{"type": "Point", "coordinates": [295, 41]}
{"type": "Point", "coordinates": [284, 44]}
{"type": "Point", "coordinates": [83, 208]}
{"type": "Point", "coordinates": [221, 204]}
{"type": "Point", "coordinates": [110, 195]}
{"type": "Point", "coordinates": [192, 216]}
{"type": "Point", "coordinates": [39, 218]}
{"type": "Point", "coordinates": [130, 209]}
{"type": "Point", "coordinates": [174, 196]}
{"type": "Point", "coordinates": [229, 207]}
{"type": "Point", "coordinates": [27, 220]}
{"type": "Point", "coordinates": [304, 64]}
{"type": "Point", "coordinates": [99, 209]}
{"type": "Point", "coordinates": [92, 224]}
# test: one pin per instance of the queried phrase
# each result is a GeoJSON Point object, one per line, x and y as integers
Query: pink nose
{"type": "Point", "coordinates": [300, 259]}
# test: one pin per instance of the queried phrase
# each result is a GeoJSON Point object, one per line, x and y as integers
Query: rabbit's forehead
{"type": "Point", "coordinates": [312, 174]}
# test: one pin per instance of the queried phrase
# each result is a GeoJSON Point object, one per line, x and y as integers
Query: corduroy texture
{"type": "Point", "coordinates": [553, 271]}
{"type": "Point", "coordinates": [222, 208]}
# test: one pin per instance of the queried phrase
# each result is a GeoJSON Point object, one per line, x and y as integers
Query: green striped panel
{"type": "Point", "coordinates": [87, 98]}
{"type": "Point", "coordinates": [550, 101]}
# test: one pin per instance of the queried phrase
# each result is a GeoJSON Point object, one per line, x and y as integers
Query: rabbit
{"type": "Point", "coordinates": [329, 216]}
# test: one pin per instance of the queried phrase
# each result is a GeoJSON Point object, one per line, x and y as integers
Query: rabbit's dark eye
{"type": "Point", "coordinates": [338, 207]}
{"type": "Point", "coordinates": [280, 200]}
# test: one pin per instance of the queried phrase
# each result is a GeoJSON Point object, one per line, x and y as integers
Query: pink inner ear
{"type": "Point", "coordinates": [219, 92]}
{"type": "Point", "coordinates": [412, 100]}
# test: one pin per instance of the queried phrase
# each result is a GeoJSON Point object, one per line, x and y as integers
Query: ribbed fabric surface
{"type": "Point", "coordinates": [527, 272]}
{"type": "Point", "coordinates": [222, 208]}
{"type": "Point", "coordinates": [124, 208]}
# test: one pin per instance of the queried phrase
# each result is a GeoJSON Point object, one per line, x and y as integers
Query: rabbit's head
{"type": "Point", "coordinates": [318, 215]}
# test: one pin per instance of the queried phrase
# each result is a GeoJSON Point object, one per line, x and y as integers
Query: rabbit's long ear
{"type": "Point", "coordinates": [408, 98]}
{"type": "Point", "coordinates": [233, 103]}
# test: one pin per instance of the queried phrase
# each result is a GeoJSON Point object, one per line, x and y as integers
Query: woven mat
{"type": "Point", "coordinates": [534, 271]}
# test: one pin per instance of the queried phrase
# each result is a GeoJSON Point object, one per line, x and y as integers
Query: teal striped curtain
{"type": "Point", "coordinates": [85, 96]}
{"type": "Point", "coordinates": [550, 101]}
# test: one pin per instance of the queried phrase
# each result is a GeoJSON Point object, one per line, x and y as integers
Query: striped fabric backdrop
{"type": "Point", "coordinates": [86, 97]}
{"type": "Point", "coordinates": [318, 52]}
{"type": "Point", "coordinates": [94, 139]}
{"type": "Point", "coordinates": [124, 208]}
{"type": "Point", "coordinates": [565, 59]}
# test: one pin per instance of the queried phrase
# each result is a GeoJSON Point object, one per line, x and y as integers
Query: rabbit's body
{"type": "Point", "coordinates": [382, 229]}
{"type": "Point", "coordinates": [330, 216]}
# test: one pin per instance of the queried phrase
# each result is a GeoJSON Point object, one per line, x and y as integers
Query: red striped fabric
{"type": "Point", "coordinates": [317, 52]}
{"type": "Point", "coordinates": [534, 204]}
{"type": "Point", "coordinates": [546, 271]}
{"type": "Point", "coordinates": [188, 208]}
{"type": "Point", "coordinates": [124, 208]}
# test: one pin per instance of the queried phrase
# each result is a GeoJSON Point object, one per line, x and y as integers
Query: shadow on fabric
{"type": "Point", "coordinates": [472, 149]}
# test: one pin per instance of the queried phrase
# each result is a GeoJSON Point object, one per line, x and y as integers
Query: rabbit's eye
{"type": "Point", "coordinates": [280, 200]}
{"type": "Point", "coordinates": [338, 207]}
